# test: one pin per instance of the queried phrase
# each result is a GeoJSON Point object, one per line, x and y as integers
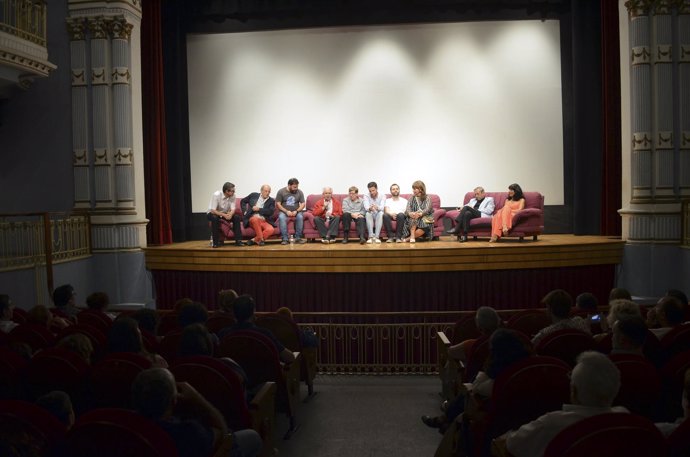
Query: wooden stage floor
{"type": "Point", "coordinates": [549, 251]}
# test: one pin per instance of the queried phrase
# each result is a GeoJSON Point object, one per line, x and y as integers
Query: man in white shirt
{"type": "Point", "coordinates": [479, 206]}
{"type": "Point", "coordinates": [222, 207]}
{"type": "Point", "coordinates": [394, 210]}
{"type": "Point", "coordinates": [594, 384]}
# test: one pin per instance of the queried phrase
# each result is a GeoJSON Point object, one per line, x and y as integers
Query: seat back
{"type": "Point", "coordinates": [12, 374]}
{"type": "Point", "coordinates": [672, 376]}
{"type": "Point", "coordinates": [256, 353]}
{"type": "Point", "coordinates": [98, 337]}
{"type": "Point", "coordinates": [476, 357]}
{"type": "Point", "coordinates": [57, 369]}
{"type": "Point", "coordinates": [36, 336]}
{"type": "Point", "coordinates": [608, 434]}
{"type": "Point", "coordinates": [219, 384]}
{"type": "Point", "coordinates": [524, 391]}
{"type": "Point", "coordinates": [565, 344]}
{"type": "Point", "coordinates": [678, 442]}
{"type": "Point", "coordinates": [169, 345]}
{"type": "Point", "coordinates": [112, 377]}
{"type": "Point", "coordinates": [284, 330]}
{"type": "Point", "coordinates": [464, 329]}
{"type": "Point", "coordinates": [95, 319]}
{"type": "Point", "coordinates": [640, 383]}
{"type": "Point", "coordinates": [111, 432]}
{"type": "Point", "coordinates": [219, 321]}
{"type": "Point", "coordinates": [28, 428]}
{"type": "Point", "coordinates": [676, 341]}
{"type": "Point", "coordinates": [529, 321]}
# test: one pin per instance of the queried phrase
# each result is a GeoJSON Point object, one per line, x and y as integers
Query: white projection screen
{"type": "Point", "coordinates": [454, 104]}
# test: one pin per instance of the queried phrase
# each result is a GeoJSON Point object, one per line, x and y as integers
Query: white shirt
{"type": "Point", "coordinates": [395, 206]}
{"type": "Point", "coordinates": [221, 203]}
{"type": "Point", "coordinates": [7, 326]}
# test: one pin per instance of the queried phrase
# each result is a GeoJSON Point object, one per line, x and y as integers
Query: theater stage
{"type": "Point", "coordinates": [441, 275]}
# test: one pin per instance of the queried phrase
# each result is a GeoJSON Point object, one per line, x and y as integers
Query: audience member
{"type": "Point", "coordinates": [148, 320]}
{"type": "Point", "coordinates": [486, 320]}
{"type": "Point", "coordinates": [99, 302]}
{"type": "Point", "coordinates": [594, 384]}
{"type": "Point", "coordinates": [558, 303]}
{"type": "Point", "coordinates": [181, 302]}
{"type": "Point", "coordinates": [124, 336]}
{"type": "Point", "coordinates": [244, 308]}
{"type": "Point", "coordinates": [196, 426]}
{"type": "Point", "coordinates": [680, 295]}
{"type": "Point", "coordinates": [79, 343]}
{"type": "Point", "coordinates": [226, 297]}
{"type": "Point", "coordinates": [668, 427]}
{"type": "Point", "coordinates": [64, 299]}
{"type": "Point", "coordinates": [6, 313]}
{"type": "Point", "coordinates": [629, 335]}
{"type": "Point", "coordinates": [505, 347]}
{"type": "Point", "coordinates": [59, 404]}
{"type": "Point", "coordinates": [667, 313]}
{"type": "Point", "coordinates": [587, 302]}
{"type": "Point", "coordinates": [41, 315]}
{"type": "Point", "coordinates": [618, 293]}
{"type": "Point", "coordinates": [307, 335]}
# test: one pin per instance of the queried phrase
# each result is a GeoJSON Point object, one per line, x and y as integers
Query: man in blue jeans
{"type": "Point", "coordinates": [290, 202]}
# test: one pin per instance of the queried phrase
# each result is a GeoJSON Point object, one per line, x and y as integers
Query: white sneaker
{"type": "Point", "coordinates": [390, 240]}
{"type": "Point", "coordinates": [370, 240]}
{"type": "Point", "coordinates": [377, 241]}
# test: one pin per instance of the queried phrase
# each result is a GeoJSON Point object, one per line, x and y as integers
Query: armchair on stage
{"type": "Point", "coordinates": [310, 230]}
{"type": "Point", "coordinates": [527, 222]}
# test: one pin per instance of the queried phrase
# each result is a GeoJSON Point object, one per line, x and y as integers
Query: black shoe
{"type": "Point", "coordinates": [251, 243]}
{"type": "Point", "coordinates": [240, 243]}
{"type": "Point", "coordinates": [218, 244]}
{"type": "Point", "coordinates": [462, 238]}
{"type": "Point", "coordinates": [362, 241]}
{"type": "Point", "coordinates": [284, 242]}
{"type": "Point", "coordinates": [262, 242]}
{"type": "Point", "coordinates": [433, 422]}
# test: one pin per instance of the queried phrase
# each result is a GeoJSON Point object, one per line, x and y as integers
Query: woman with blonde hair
{"type": "Point", "coordinates": [420, 215]}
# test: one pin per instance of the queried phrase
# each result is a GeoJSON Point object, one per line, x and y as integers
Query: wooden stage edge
{"type": "Point", "coordinates": [446, 254]}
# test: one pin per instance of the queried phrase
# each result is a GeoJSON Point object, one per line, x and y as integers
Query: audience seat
{"type": "Point", "coordinates": [169, 345]}
{"type": "Point", "coordinates": [30, 429]}
{"type": "Point", "coordinates": [464, 329]}
{"type": "Point", "coordinates": [98, 337]}
{"type": "Point", "coordinates": [678, 442]}
{"type": "Point", "coordinates": [168, 322]}
{"type": "Point", "coordinates": [676, 341]}
{"type": "Point", "coordinates": [19, 316]}
{"type": "Point", "coordinates": [611, 434]}
{"type": "Point", "coordinates": [218, 321]}
{"type": "Point", "coordinates": [529, 321]}
{"type": "Point", "coordinates": [58, 369]}
{"type": "Point", "coordinates": [36, 336]}
{"type": "Point", "coordinates": [111, 378]}
{"type": "Point", "coordinates": [288, 334]}
{"type": "Point", "coordinates": [526, 390]}
{"type": "Point", "coordinates": [222, 387]}
{"type": "Point", "coordinates": [12, 374]}
{"type": "Point", "coordinates": [112, 432]}
{"type": "Point", "coordinates": [449, 369]}
{"type": "Point", "coordinates": [257, 354]}
{"type": "Point", "coordinates": [565, 344]}
{"type": "Point", "coordinates": [640, 384]}
{"type": "Point", "coordinates": [672, 376]}
{"type": "Point", "coordinates": [96, 319]}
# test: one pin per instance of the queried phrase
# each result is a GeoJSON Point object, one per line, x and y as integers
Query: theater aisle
{"type": "Point", "coordinates": [373, 415]}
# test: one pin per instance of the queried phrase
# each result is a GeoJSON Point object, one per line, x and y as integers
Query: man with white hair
{"type": "Point", "coordinates": [594, 384]}
{"type": "Point", "coordinates": [486, 320]}
{"type": "Point", "coordinates": [327, 212]}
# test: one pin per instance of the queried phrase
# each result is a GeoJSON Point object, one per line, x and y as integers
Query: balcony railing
{"type": "Point", "coordinates": [42, 239]}
{"type": "Point", "coordinates": [25, 19]}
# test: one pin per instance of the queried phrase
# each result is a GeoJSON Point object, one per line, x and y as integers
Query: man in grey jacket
{"type": "Point", "coordinates": [479, 206]}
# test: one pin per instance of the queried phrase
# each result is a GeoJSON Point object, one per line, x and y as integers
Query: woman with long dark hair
{"type": "Point", "coordinates": [502, 221]}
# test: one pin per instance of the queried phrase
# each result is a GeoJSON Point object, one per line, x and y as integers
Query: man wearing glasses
{"type": "Point", "coordinates": [222, 208]}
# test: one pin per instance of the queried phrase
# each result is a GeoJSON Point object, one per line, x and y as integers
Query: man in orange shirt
{"type": "Point", "coordinates": [327, 213]}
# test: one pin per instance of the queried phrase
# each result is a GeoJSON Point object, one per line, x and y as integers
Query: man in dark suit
{"type": "Point", "coordinates": [258, 209]}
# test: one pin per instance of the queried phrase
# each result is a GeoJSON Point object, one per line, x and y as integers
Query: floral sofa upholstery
{"type": "Point", "coordinates": [527, 222]}
{"type": "Point", "coordinates": [311, 232]}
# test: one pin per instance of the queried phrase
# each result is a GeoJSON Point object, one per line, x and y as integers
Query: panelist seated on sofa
{"type": "Point", "coordinates": [502, 221]}
{"type": "Point", "coordinates": [480, 205]}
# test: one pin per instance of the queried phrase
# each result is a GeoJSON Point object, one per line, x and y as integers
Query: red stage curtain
{"type": "Point", "coordinates": [155, 145]}
{"type": "Point", "coordinates": [611, 102]}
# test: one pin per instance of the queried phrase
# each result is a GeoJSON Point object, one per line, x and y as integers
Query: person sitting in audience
{"type": "Point", "coordinates": [486, 320]}
{"type": "Point", "coordinates": [41, 315]}
{"type": "Point", "coordinates": [226, 297]}
{"type": "Point", "coordinates": [194, 313]}
{"type": "Point", "coordinates": [79, 343]}
{"type": "Point", "coordinates": [668, 427]}
{"type": "Point", "coordinates": [558, 303]}
{"type": "Point", "coordinates": [181, 302]}
{"type": "Point", "coordinates": [59, 404]}
{"type": "Point", "coordinates": [148, 321]}
{"type": "Point", "coordinates": [64, 299]}
{"type": "Point", "coordinates": [307, 335]}
{"type": "Point", "coordinates": [124, 336]}
{"type": "Point", "coordinates": [594, 384]}
{"type": "Point", "coordinates": [99, 302]}
{"type": "Point", "coordinates": [6, 313]}
{"type": "Point", "coordinates": [629, 335]}
{"type": "Point", "coordinates": [667, 313]}
{"type": "Point", "coordinates": [196, 426]}
{"type": "Point", "coordinates": [243, 309]}
{"type": "Point", "coordinates": [618, 293]}
{"type": "Point", "coordinates": [618, 309]}
{"type": "Point", "coordinates": [588, 305]}
{"type": "Point", "coordinates": [505, 348]}
{"type": "Point", "coordinates": [683, 299]}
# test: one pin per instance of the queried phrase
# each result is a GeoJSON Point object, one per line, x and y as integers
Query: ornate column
{"type": "Point", "coordinates": [657, 175]}
{"type": "Point", "coordinates": [108, 144]}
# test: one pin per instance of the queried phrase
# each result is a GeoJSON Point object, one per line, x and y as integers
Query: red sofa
{"type": "Point", "coordinates": [527, 222]}
{"type": "Point", "coordinates": [311, 232]}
